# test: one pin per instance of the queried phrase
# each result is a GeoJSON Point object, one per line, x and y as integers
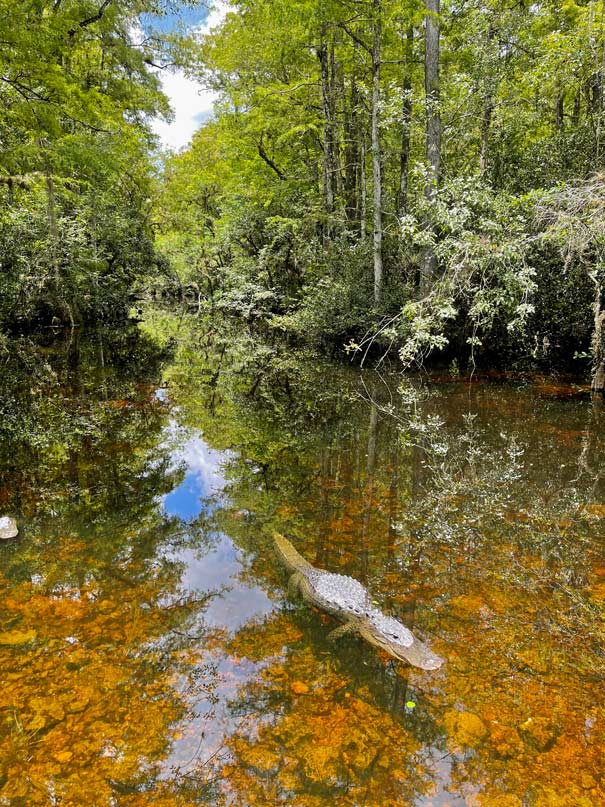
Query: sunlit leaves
{"type": "Point", "coordinates": [75, 169]}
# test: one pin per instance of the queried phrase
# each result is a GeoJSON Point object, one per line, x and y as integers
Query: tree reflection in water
{"type": "Point", "coordinates": [474, 515]}
{"type": "Point", "coordinates": [99, 668]}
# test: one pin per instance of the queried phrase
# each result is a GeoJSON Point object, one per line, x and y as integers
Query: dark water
{"type": "Point", "coordinates": [148, 650]}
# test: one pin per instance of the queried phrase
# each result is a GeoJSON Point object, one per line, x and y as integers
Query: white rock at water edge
{"type": "Point", "coordinates": [8, 528]}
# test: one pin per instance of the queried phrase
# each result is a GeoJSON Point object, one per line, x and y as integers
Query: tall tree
{"type": "Point", "coordinates": [329, 141]}
{"type": "Point", "coordinates": [406, 121]}
{"type": "Point", "coordinates": [433, 127]}
{"type": "Point", "coordinates": [376, 147]}
{"type": "Point", "coordinates": [77, 88]}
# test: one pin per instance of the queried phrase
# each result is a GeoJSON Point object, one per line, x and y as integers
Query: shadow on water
{"type": "Point", "coordinates": [150, 654]}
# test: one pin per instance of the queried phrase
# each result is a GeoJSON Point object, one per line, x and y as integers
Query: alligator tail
{"type": "Point", "coordinates": [289, 556]}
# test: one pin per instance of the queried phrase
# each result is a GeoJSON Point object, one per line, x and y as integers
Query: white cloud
{"type": "Point", "coordinates": [191, 102]}
{"type": "Point", "coordinates": [188, 447]}
{"type": "Point", "coordinates": [204, 462]}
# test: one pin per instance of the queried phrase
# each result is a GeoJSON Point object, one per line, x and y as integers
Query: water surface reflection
{"type": "Point", "coordinates": [150, 652]}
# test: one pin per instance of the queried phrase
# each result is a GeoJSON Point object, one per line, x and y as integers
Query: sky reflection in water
{"type": "Point", "coordinates": [200, 491]}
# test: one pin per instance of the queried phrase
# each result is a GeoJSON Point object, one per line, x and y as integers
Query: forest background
{"type": "Point", "coordinates": [423, 178]}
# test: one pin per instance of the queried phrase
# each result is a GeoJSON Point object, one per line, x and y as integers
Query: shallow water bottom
{"type": "Point", "coordinates": [150, 652]}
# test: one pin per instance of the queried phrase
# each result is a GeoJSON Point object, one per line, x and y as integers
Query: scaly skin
{"type": "Point", "coordinates": [304, 577]}
{"type": "Point", "coordinates": [290, 557]}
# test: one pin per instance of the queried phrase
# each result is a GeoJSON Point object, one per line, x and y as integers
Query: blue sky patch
{"type": "Point", "coordinates": [186, 500]}
{"type": "Point", "coordinates": [187, 18]}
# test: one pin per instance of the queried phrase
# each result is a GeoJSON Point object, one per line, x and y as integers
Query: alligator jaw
{"type": "Point", "coordinates": [416, 653]}
{"type": "Point", "coordinates": [419, 655]}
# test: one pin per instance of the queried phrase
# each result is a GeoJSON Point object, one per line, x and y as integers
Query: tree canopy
{"type": "Point", "coordinates": [78, 84]}
{"type": "Point", "coordinates": [375, 174]}
{"type": "Point", "coordinates": [453, 122]}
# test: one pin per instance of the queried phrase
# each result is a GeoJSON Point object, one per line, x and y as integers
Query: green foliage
{"type": "Point", "coordinates": [269, 212]}
{"type": "Point", "coordinates": [76, 173]}
{"type": "Point", "coordinates": [481, 240]}
{"type": "Point", "coordinates": [334, 307]}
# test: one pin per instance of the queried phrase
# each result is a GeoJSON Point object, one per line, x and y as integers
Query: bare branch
{"type": "Point", "coordinates": [264, 156]}
{"type": "Point", "coordinates": [90, 20]}
{"type": "Point", "coordinates": [355, 38]}
{"type": "Point", "coordinates": [164, 66]}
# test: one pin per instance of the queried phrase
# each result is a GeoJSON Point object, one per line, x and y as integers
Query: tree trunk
{"type": "Point", "coordinates": [431, 81]}
{"type": "Point", "coordinates": [329, 166]}
{"type": "Point", "coordinates": [559, 112]}
{"type": "Point", "coordinates": [406, 125]}
{"type": "Point", "coordinates": [336, 102]}
{"type": "Point", "coordinates": [593, 93]}
{"type": "Point", "coordinates": [351, 128]}
{"type": "Point", "coordinates": [577, 106]}
{"type": "Point", "coordinates": [488, 105]}
{"type": "Point", "coordinates": [486, 123]}
{"type": "Point", "coordinates": [598, 339]}
{"type": "Point", "coordinates": [51, 206]}
{"type": "Point", "coordinates": [363, 191]}
{"type": "Point", "coordinates": [433, 127]}
{"type": "Point", "coordinates": [376, 153]}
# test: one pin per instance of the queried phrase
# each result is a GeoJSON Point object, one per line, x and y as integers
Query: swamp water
{"type": "Point", "coordinates": [149, 653]}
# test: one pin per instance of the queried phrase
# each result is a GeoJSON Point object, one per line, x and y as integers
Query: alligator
{"type": "Point", "coordinates": [348, 600]}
